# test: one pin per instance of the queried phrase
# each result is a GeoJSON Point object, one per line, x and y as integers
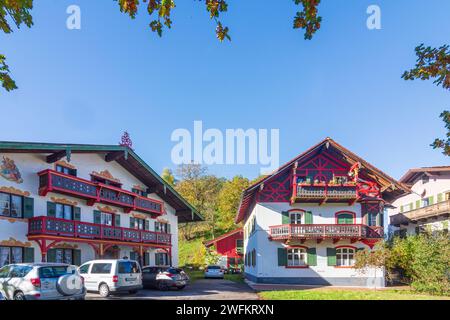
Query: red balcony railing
{"type": "Point", "coordinates": [330, 193]}
{"type": "Point", "coordinates": [323, 231]}
{"type": "Point", "coordinates": [53, 181]}
{"type": "Point", "coordinates": [84, 230]}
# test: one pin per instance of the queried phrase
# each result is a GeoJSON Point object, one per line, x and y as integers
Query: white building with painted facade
{"type": "Point", "coordinates": [304, 223]}
{"type": "Point", "coordinates": [73, 203]}
{"type": "Point", "coordinates": [427, 207]}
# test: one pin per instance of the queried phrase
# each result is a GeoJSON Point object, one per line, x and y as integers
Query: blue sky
{"type": "Point", "coordinates": [89, 85]}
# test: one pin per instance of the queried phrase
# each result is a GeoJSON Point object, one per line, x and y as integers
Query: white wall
{"type": "Point", "coordinates": [30, 164]}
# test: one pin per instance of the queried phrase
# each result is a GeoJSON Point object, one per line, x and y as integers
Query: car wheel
{"type": "Point", "coordinates": [181, 287]}
{"type": "Point", "coordinates": [162, 286]}
{"type": "Point", "coordinates": [104, 290]}
{"type": "Point", "coordinates": [19, 296]}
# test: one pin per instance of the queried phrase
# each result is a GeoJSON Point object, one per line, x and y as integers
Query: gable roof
{"type": "Point", "coordinates": [412, 175]}
{"type": "Point", "coordinates": [225, 235]}
{"type": "Point", "coordinates": [392, 188]}
{"type": "Point", "coordinates": [123, 155]}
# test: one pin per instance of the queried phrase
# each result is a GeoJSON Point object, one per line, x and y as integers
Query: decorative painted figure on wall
{"type": "Point", "coordinates": [9, 170]}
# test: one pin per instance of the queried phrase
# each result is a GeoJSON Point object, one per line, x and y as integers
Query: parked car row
{"type": "Point", "coordinates": [55, 281]}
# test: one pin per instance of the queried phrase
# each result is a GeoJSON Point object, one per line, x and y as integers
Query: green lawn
{"type": "Point", "coordinates": [336, 294]}
{"type": "Point", "coordinates": [194, 275]}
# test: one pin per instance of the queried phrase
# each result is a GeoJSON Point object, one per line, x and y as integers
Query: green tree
{"type": "Point", "coordinates": [228, 203]}
{"type": "Point", "coordinates": [168, 176]}
{"type": "Point", "coordinates": [434, 63]}
{"type": "Point", "coordinates": [201, 190]}
{"type": "Point", "coordinates": [17, 11]}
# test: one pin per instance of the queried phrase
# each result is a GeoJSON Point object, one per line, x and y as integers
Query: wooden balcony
{"type": "Point", "coordinates": [85, 231]}
{"type": "Point", "coordinates": [325, 193]}
{"type": "Point", "coordinates": [92, 192]}
{"type": "Point", "coordinates": [324, 231]}
{"type": "Point", "coordinates": [421, 214]}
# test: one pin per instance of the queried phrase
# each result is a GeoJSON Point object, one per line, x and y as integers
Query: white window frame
{"type": "Point", "coordinates": [297, 257]}
{"type": "Point", "coordinates": [295, 217]}
{"type": "Point", "coordinates": [345, 257]}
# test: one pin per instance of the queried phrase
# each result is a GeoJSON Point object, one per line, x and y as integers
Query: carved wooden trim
{"type": "Point", "coordinates": [65, 245]}
{"type": "Point", "coordinates": [106, 209]}
{"type": "Point", "coordinates": [14, 243]}
{"type": "Point", "coordinates": [12, 220]}
{"type": "Point", "coordinates": [105, 174]}
{"type": "Point", "coordinates": [139, 216]}
{"type": "Point", "coordinates": [64, 201]}
{"type": "Point", "coordinates": [64, 163]}
{"type": "Point", "coordinates": [139, 187]}
{"type": "Point", "coordinates": [159, 219]}
{"type": "Point", "coordinates": [15, 191]}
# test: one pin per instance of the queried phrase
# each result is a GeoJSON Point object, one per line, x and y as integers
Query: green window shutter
{"type": "Point", "coordinates": [381, 219]}
{"type": "Point", "coordinates": [440, 197]}
{"type": "Point", "coordinates": [168, 228]}
{"type": "Point", "coordinates": [431, 200]}
{"type": "Point", "coordinates": [28, 207]}
{"type": "Point", "coordinates": [51, 209]}
{"type": "Point", "coordinates": [77, 257]}
{"type": "Point", "coordinates": [156, 226]}
{"type": "Point", "coordinates": [312, 257]}
{"type": "Point", "coordinates": [51, 255]}
{"type": "Point", "coordinates": [345, 218]}
{"type": "Point", "coordinates": [331, 256]}
{"type": "Point", "coordinates": [76, 213]}
{"type": "Point", "coordinates": [417, 204]}
{"type": "Point", "coordinates": [308, 217]}
{"type": "Point", "coordinates": [117, 220]}
{"type": "Point", "coordinates": [285, 217]}
{"type": "Point", "coordinates": [147, 225]}
{"type": "Point", "coordinates": [28, 254]}
{"type": "Point", "coordinates": [401, 208]}
{"type": "Point", "coordinates": [131, 222]}
{"type": "Point", "coordinates": [282, 257]}
{"type": "Point", "coordinates": [97, 217]}
{"type": "Point", "coordinates": [146, 259]}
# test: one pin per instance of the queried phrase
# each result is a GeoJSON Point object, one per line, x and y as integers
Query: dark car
{"type": "Point", "coordinates": [164, 278]}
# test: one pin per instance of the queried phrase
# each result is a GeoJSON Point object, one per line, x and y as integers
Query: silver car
{"type": "Point", "coordinates": [41, 281]}
{"type": "Point", "coordinates": [112, 275]}
{"type": "Point", "coordinates": [214, 272]}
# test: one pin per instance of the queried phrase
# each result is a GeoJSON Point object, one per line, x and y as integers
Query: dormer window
{"type": "Point", "coordinates": [295, 217]}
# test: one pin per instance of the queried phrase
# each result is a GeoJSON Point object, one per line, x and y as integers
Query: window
{"type": "Point", "coordinates": [84, 268]}
{"type": "Point", "coordinates": [295, 217]}
{"type": "Point", "coordinates": [345, 257]}
{"type": "Point", "coordinates": [20, 271]}
{"type": "Point", "coordinates": [137, 223]}
{"type": "Point", "coordinates": [106, 181]}
{"type": "Point", "coordinates": [253, 258]}
{"type": "Point", "coordinates": [11, 205]}
{"type": "Point", "coordinates": [64, 211]}
{"type": "Point", "coordinates": [66, 170]}
{"type": "Point", "coordinates": [296, 257]}
{"type": "Point", "coordinates": [345, 218]}
{"type": "Point", "coordinates": [53, 272]}
{"type": "Point", "coordinates": [62, 256]}
{"type": "Point", "coordinates": [372, 219]}
{"type": "Point", "coordinates": [106, 219]}
{"type": "Point", "coordinates": [425, 179]}
{"type": "Point", "coordinates": [341, 179]}
{"type": "Point", "coordinates": [425, 202]}
{"type": "Point", "coordinates": [162, 227]}
{"type": "Point", "coordinates": [101, 268]}
{"type": "Point", "coordinates": [139, 192]}
{"type": "Point", "coordinates": [10, 255]}
{"type": "Point", "coordinates": [128, 267]}
{"type": "Point", "coordinates": [239, 243]}
{"type": "Point", "coordinates": [161, 259]}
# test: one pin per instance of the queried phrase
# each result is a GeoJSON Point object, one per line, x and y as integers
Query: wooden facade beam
{"type": "Point", "coordinates": [112, 156]}
{"type": "Point", "coordinates": [56, 156]}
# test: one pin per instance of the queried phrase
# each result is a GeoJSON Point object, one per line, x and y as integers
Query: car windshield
{"type": "Point", "coordinates": [128, 267]}
{"type": "Point", "coordinates": [20, 271]}
{"type": "Point", "coordinates": [53, 271]}
{"type": "Point", "coordinates": [213, 267]}
{"type": "Point", "coordinates": [174, 270]}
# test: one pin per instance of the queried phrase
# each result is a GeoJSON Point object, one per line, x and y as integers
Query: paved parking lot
{"type": "Point", "coordinates": [203, 289]}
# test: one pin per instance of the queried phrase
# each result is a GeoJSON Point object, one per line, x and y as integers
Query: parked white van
{"type": "Point", "coordinates": [108, 276]}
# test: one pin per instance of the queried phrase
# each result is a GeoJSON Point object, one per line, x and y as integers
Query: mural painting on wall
{"type": "Point", "coordinates": [9, 170]}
